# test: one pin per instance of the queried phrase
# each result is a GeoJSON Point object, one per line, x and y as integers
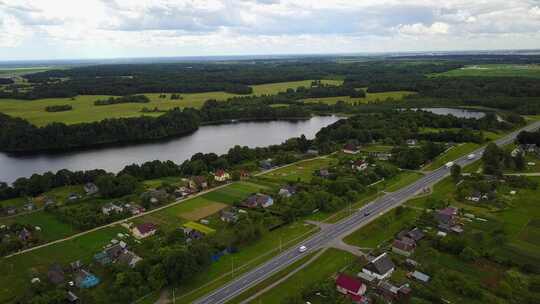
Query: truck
{"type": "Point", "coordinates": [449, 165]}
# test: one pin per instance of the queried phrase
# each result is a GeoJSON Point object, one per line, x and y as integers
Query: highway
{"type": "Point", "coordinates": [339, 230]}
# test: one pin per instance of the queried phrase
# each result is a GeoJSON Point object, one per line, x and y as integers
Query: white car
{"type": "Point", "coordinates": [449, 165]}
{"type": "Point", "coordinates": [302, 249]}
{"type": "Point", "coordinates": [471, 156]}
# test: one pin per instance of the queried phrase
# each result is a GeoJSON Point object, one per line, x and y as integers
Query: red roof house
{"type": "Point", "coordinates": [144, 230]}
{"type": "Point", "coordinates": [350, 286]}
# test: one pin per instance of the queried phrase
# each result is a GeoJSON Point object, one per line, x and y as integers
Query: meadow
{"type": "Point", "coordinates": [370, 98]}
{"type": "Point", "coordinates": [84, 109]}
{"type": "Point", "coordinates": [494, 70]}
{"type": "Point", "coordinates": [300, 171]}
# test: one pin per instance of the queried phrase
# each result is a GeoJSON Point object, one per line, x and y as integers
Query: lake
{"type": "Point", "coordinates": [215, 138]}
{"type": "Point", "coordinates": [461, 113]}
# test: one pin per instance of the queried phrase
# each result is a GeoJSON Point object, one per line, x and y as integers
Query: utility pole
{"type": "Point", "coordinates": [232, 267]}
{"type": "Point", "coordinates": [173, 297]}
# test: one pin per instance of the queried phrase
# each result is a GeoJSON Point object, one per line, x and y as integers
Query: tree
{"type": "Point", "coordinates": [469, 254]}
{"type": "Point", "coordinates": [455, 171]}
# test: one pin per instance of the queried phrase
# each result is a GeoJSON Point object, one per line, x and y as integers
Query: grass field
{"type": "Point", "coordinates": [200, 227]}
{"type": "Point", "coordinates": [452, 154]}
{"type": "Point", "coordinates": [11, 72]}
{"type": "Point", "coordinates": [370, 97]}
{"type": "Point", "coordinates": [84, 109]}
{"type": "Point", "coordinates": [376, 232]}
{"type": "Point", "coordinates": [303, 171]}
{"type": "Point", "coordinates": [325, 266]}
{"type": "Point", "coordinates": [18, 270]}
{"type": "Point", "coordinates": [234, 193]}
{"type": "Point", "coordinates": [51, 228]}
{"type": "Point", "coordinates": [495, 70]}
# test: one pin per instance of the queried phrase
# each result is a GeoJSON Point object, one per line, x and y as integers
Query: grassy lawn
{"type": "Point", "coordinates": [377, 148]}
{"type": "Point", "coordinates": [495, 70]}
{"type": "Point", "coordinates": [59, 195]}
{"type": "Point", "coordinates": [303, 170]}
{"type": "Point", "coordinates": [234, 193]}
{"type": "Point", "coordinates": [382, 229]}
{"type": "Point", "coordinates": [18, 270]}
{"type": "Point", "coordinates": [259, 252]}
{"type": "Point", "coordinates": [155, 183]}
{"type": "Point", "coordinates": [328, 264]}
{"type": "Point", "coordinates": [401, 180]}
{"type": "Point", "coordinates": [84, 109]}
{"type": "Point", "coordinates": [15, 202]}
{"type": "Point", "coordinates": [51, 228]}
{"type": "Point", "coordinates": [452, 154]}
{"type": "Point", "coordinates": [370, 97]}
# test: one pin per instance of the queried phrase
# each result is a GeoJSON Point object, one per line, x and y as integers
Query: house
{"type": "Point", "coordinates": [411, 142]}
{"type": "Point", "coordinates": [198, 182]}
{"type": "Point", "coordinates": [114, 251]}
{"type": "Point", "coordinates": [29, 206]}
{"type": "Point", "coordinates": [312, 151]}
{"type": "Point", "coordinates": [350, 286]}
{"type": "Point", "coordinates": [381, 267]}
{"type": "Point", "coordinates": [360, 165]}
{"type": "Point", "coordinates": [129, 258]}
{"type": "Point", "coordinates": [324, 173]}
{"type": "Point", "coordinates": [73, 197]}
{"type": "Point", "coordinates": [55, 274]}
{"type": "Point", "coordinates": [90, 188]}
{"type": "Point", "coordinates": [109, 208]}
{"type": "Point", "coordinates": [350, 149]}
{"type": "Point", "coordinates": [192, 234]}
{"type": "Point", "coordinates": [404, 247]}
{"type": "Point", "coordinates": [367, 279]}
{"type": "Point", "coordinates": [134, 208]}
{"type": "Point", "coordinates": [447, 216]}
{"type": "Point", "coordinates": [221, 176]}
{"type": "Point", "coordinates": [380, 155]}
{"type": "Point", "coordinates": [24, 235]}
{"type": "Point", "coordinates": [10, 210]}
{"type": "Point", "coordinates": [266, 164]}
{"type": "Point", "coordinates": [229, 216]}
{"type": "Point", "coordinates": [422, 277]}
{"type": "Point", "coordinates": [258, 200]}
{"type": "Point", "coordinates": [287, 191]}
{"type": "Point", "coordinates": [155, 196]}
{"type": "Point", "coordinates": [84, 279]}
{"type": "Point", "coordinates": [391, 292]}
{"type": "Point", "coordinates": [529, 148]}
{"type": "Point", "coordinates": [144, 230]}
{"type": "Point", "coordinates": [416, 234]}
{"type": "Point", "coordinates": [71, 297]}
{"type": "Point", "coordinates": [102, 258]}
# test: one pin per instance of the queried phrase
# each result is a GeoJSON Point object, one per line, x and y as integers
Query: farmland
{"type": "Point", "coordinates": [84, 109]}
{"type": "Point", "coordinates": [300, 171]}
{"type": "Point", "coordinates": [494, 70]}
{"type": "Point", "coordinates": [370, 97]}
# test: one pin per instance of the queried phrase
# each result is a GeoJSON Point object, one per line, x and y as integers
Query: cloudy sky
{"type": "Point", "coordinates": [56, 29]}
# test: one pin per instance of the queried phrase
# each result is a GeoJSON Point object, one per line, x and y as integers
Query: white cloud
{"type": "Point", "coordinates": [416, 29]}
{"type": "Point", "coordinates": [201, 27]}
{"type": "Point", "coordinates": [12, 33]}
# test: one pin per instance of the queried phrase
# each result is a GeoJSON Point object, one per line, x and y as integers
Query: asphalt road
{"type": "Point", "coordinates": [357, 219]}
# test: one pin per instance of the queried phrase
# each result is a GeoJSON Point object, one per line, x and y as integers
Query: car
{"type": "Point", "coordinates": [471, 156]}
{"type": "Point", "coordinates": [302, 249]}
{"type": "Point", "coordinates": [449, 165]}
{"type": "Point", "coordinates": [367, 213]}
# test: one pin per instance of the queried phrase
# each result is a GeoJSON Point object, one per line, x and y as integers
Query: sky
{"type": "Point", "coordinates": [79, 29]}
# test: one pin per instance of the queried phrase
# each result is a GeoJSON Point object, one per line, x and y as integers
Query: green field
{"type": "Point", "coordinates": [452, 154]}
{"type": "Point", "coordinates": [384, 228]}
{"type": "Point", "coordinates": [51, 228]}
{"type": "Point", "coordinates": [299, 171]}
{"type": "Point", "coordinates": [84, 109]}
{"type": "Point", "coordinates": [234, 193]}
{"type": "Point", "coordinates": [17, 271]}
{"type": "Point", "coordinates": [11, 72]}
{"type": "Point", "coordinates": [495, 70]}
{"type": "Point", "coordinates": [329, 263]}
{"type": "Point", "coordinates": [370, 97]}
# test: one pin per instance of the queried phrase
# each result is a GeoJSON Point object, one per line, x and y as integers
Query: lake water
{"type": "Point", "coordinates": [216, 138]}
{"type": "Point", "coordinates": [461, 113]}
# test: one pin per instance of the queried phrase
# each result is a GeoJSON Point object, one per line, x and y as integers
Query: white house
{"type": "Point", "coordinates": [380, 267]}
